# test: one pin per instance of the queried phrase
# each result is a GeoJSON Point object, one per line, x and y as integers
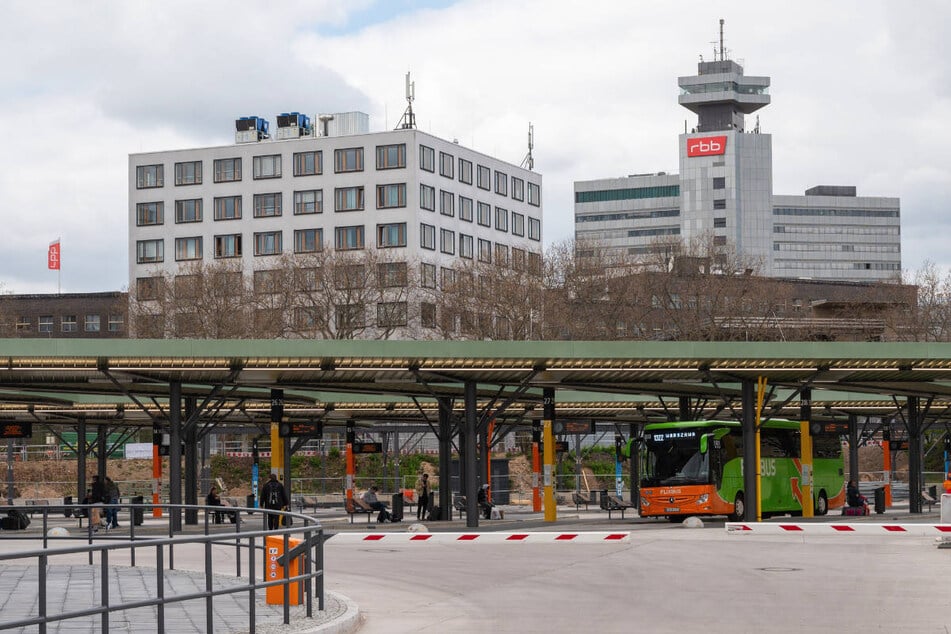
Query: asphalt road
{"type": "Point", "coordinates": [666, 579]}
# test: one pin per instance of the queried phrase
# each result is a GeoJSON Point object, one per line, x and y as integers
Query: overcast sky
{"type": "Point", "coordinates": [861, 95]}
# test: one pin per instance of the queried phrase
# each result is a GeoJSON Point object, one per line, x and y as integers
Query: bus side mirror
{"type": "Point", "coordinates": [703, 443]}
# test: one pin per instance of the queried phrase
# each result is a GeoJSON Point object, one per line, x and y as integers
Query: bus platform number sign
{"type": "Point", "coordinates": [367, 447]}
{"type": "Point", "coordinates": [16, 430]}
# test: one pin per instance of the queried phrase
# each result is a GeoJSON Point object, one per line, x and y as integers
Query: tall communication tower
{"type": "Point", "coordinates": [408, 120]}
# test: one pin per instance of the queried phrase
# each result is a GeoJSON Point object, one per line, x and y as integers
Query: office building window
{"type": "Point", "coordinates": [268, 243]}
{"type": "Point", "coordinates": [465, 209]}
{"type": "Point", "coordinates": [427, 315]}
{"type": "Point", "coordinates": [719, 203]}
{"type": "Point", "coordinates": [309, 201]}
{"type": "Point", "coordinates": [390, 157]}
{"type": "Point", "coordinates": [447, 278]}
{"type": "Point", "coordinates": [392, 274]}
{"type": "Point", "coordinates": [484, 215]}
{"type": "Point", "coordinates": [45, 323]}
{"type": "Point", "coordinates": [485, 251]}
{"type": "Point", "coordinates": [466, 249]}
{"type": "Point", "coordinates": [483, 177]}
{"type": "Point", "coordinates": [534, 229]}
{"type": "Point", "coordinates": [534, 194]}
{"type": "Point", "coordinates": [348, 199]}
{"type": "Point", "coordinates": [446, 164]}
{"type": "Point", "coordinates": [91, 323]}
{"type": "Point", "coordinates": [267, 166]}
{"type": "Point", "coordinates": [115, 323]}
{"type": "Point", "coordinates": [188, 173]}
{"type": "Point", "coordinates": [447, 203]}
{"type": "Point", "coordinates": [391, 235]}
{"type": "Point", "coordinates": [501, 183]}
{"type": "Point", "coordinates": [267, 282]}
{"type": "Point", "coordinates": [518, 188]}
{"type": "Point", "coordinates": [149, 214]}
{"type": "Point", "coordinates": [518, 259]}
{"type": "Point", "coordinates": [465, 171]}
{"type": "Point", "coordinates": [308, 163]}
{"type": "Point", "coordinates": [24, 323]}
{"type": "Point", "coordinates": [501, 219]}
{"type": "Point", "coordinates": [147, 251]}
{"type": "Point", "coordinates": [427, 236]}
{"type": "Point", "coordinates": [719, 241]}
{"type": "Point", "coordinates": [518, 224]}
{"type": "Point", "coordinates": [349, 238]}
{"type": "Point", "coordinates": [391, 196]}
{"type": "Point", "coordinates": [348, 160]}
{"type": "Point", "coordinates": [68, 323]}
{"type": "Point", "coordinates": [227, 170]}
{"type": "Point", "coordinates": [427, 197]}
{"type": "Point", "coordinates": [719, 223]}
{"type": "Point", "coordinates": [267, 205]}
{"type": "Point", "coordinates": [447, 241]}
{"type": "Point", "coordinates": [501, 254]}
{"type": "Point", "coordinates": [149, 288]}
{"type": "Point", "coordinates": [308, 240]}
{"type": "Point", "coordinates": [228, 208]}
{"type": "Point", "coordinates": [147, 176]}
{"type": "Point", "coordinates": [228, 246]}
{"type": "Point", "coordinates": [427, 275]}
{"type": "Point", "coordinates": [188, 248]}
{"type": "Point", "coordinates": [390, 314]}
{"type": "Point", "coordinates": [427, 158]}
{"type": "Point", "coordinates": [719, 182]}
{"type": "Point", "coordinates": [350, 316]}
{"type": "Point", "coordinates": [188, 210]}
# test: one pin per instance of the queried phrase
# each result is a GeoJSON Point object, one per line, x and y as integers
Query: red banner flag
{"type": "Point", "coordinates": [52, 256]}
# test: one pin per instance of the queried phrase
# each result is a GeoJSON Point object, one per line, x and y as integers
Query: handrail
{"type": "Point", "coordinates": [310, 577]}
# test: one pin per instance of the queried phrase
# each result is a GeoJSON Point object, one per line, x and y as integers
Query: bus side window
{"type": "Point", "coordinates": [730, 452]}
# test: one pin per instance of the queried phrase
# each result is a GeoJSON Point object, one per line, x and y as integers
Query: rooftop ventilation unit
{"type": "Point", "coordinates": [250, 130]}
{"type": "Point", "coordinates": [344, 123]}
{"type": "Point", "coordinates": [292, 125]}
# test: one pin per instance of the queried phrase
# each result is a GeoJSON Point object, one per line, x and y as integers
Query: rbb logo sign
{"type": "Point", "coordinates": [706, 146]}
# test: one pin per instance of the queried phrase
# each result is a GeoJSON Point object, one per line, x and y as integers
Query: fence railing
{"type": "Point", "coordinates": [309, 581]}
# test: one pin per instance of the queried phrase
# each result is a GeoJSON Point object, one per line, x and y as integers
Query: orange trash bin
{"type": "Point", "coordinates": [273, 571]}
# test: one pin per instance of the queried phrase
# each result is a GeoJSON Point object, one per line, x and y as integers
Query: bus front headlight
{"type": "Point", "coordinates": [644, 502]}
{"type": "Point", "coordinates": [703, 498]}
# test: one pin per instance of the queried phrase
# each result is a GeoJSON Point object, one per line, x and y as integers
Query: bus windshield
{"type": "Point", "coordinates": [676, 459]}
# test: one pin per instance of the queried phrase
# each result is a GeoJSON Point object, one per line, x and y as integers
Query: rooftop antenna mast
{"type": "Point", "coordinates": [722, 50]}
{"type": "Point", "coordinates": [529, 161]}
{"type": "Point", "coordinates": [408, 120]}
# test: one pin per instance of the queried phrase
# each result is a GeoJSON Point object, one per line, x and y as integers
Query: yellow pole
{"type": "Point", "coordinates": [760, 395]}
{"type": "Point", "coordinates": [808, 509]}
{"type": "Point", "coordinates": [551, 513]}
{"type": "Point", "coordinates": [277, 452]}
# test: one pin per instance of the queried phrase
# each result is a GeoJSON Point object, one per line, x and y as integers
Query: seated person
{"type": "Point", "coordinates": [484, 504]}
{"type": "Point", "coordinates": [369, 498]}
{"type": "Point", "coordinates": [213, 499]}
{"type": "Point", "coordinates": [853, 497]}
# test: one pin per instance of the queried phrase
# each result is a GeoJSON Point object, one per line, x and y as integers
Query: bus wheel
{"type": "Point", "coordinates": [739, 509]}
{"type": "Point", "coordinates": [822, 504]}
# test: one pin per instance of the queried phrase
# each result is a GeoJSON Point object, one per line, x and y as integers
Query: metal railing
{"type": "Point", "coordinates": [309, 554]}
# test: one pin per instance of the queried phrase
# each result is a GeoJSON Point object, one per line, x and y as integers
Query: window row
{"type": "Point", "coordinates": [447, 207]}
{"type": "Point", "coordinates": [471, 248]}
{"type": "Point", "coordinates": [346, 160]}
{"type": "Point", "coordinates": [68, 323]}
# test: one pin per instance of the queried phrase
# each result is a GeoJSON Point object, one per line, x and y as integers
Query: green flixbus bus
{"type": "Point", "coordinates": [696, 468]}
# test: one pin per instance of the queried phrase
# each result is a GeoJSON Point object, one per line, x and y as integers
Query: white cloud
{"type": "Point", "coordinates": [860, 95]}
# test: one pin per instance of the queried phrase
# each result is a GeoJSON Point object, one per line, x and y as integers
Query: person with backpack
{"type": "Point", "coordinates": [273, 498]}
{"type": "Point", "coordinates": [112, 498]}
{"type": "Point", "coordinates": [96, 498]}
{"type": "Point", "coordinates": [422, 496]}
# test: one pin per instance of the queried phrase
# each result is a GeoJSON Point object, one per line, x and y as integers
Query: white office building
{"type": "Point", "coordinates": [725, 190]}
{"type": "Point", "coordinates": [340, 186]}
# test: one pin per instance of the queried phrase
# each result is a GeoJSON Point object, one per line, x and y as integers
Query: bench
{"type": "Point", "coordinates": [611, 503]}
{"type": "Point", "coordinates": [217, 513]}
{"type": "Point", "coordinates": [926, 498]}
{"type": "Point", "coordinates": [459, 503]}
{"type": "Point", "coordinates": [579, 499]}
{"type": "Point", "coordinates": [354, 506]}
{"type": "Point", "coordinates": [35, 503]}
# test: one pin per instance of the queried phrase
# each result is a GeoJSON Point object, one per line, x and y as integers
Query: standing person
{"type": "Point", "coordinates": [96, 497]}
{"type": "Point", "coordinates": [422, 496]}
{"type": "Point", "coordinates": [112, 498]}
{"type": "Point", "coordinates": [273, 498]}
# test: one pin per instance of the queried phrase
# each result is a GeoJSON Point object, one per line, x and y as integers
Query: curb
{"type": "Point", "coordinates": [349, 622]}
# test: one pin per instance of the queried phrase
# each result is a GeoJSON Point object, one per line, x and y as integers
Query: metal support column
{"type": "Point", "coordinates": [471, 477]}
{"type": "Point", "coordinates": [684, 408]}
{"type": "Point", "coordinates": [853, 448]}
{"type": "Point", "coordinates": [81, 450]}
{"type": "Point", "coordinates": [750, 494]}
{"type": "Point", "coordinates": [102, 451]}
{"type": "Point", "coordinates": [914, 456]}
{"type": "Point", "coordinates": [635, 467]}
{"type": "Point", "coordinates": [191, 460]}
{"type": "Point", "coordinates": [445, 457]}
{"type": "Point", "coordinates": [10, 494]}
{"type": "Point", "coordinates": [175, 453]}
